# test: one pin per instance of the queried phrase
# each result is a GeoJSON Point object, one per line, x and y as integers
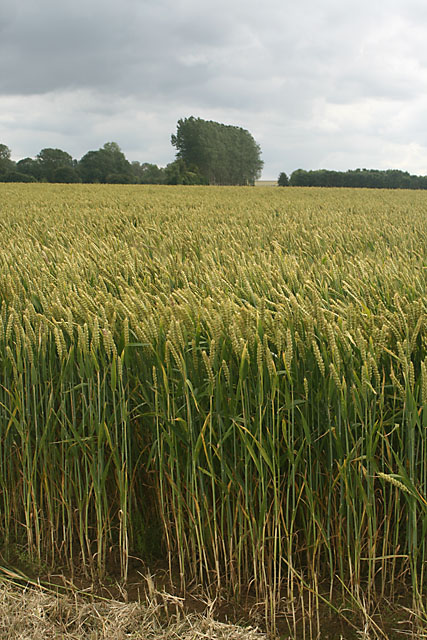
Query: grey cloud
{"type": "Point", "coordinates": [115, 45]}
{"type": "Point", "coordinates": [317, 83]}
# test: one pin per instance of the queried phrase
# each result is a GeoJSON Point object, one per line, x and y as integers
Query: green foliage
{"type": "Point", "coordinates": [178, 172]}
{"type": "Point", "coordinates": [6, 163]}
{"type": "Point", "coordinates": [5, 152]}
{"type": "Point", "coordinates": [147, 173]}
{"type": "Point", "coordinates": [368, 178]}
{"type": "Point", "coordinates": [283, 180]}
{"type": "Point", "coordinates": [101, 165]}
{"type": "Point", "coordinates": [66, 175]}
{"type": "Point", "coordinates": [119, 178]}
{"type": "Point", "coordinates": [299, 178]}
{"type": "Point", "coordinates": [16, 176]}
{"type": "Point", "coordinates": [31, 167]}
{"type": "Point", "coordinates": [224, 154]}
{"type": "Point", "coordinates": [50, 160]}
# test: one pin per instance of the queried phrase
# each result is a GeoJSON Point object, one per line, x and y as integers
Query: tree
{"type": "Point", "coordinates": [66, 174]}
{"type": "Point", "coordinates": [283, 180]}
{"type": "Point", "coordinates": [99, 166]}
{"type": "Point", "coordinates": [147, 173]}
{"type": "Point", "coordinates": [299, 178]}
{"type": "Point", "coordinates": [6, 163]}
{"type": "Point", "coordinates": [117, 158]}
{"type": "Point", "coordinates": [224, 154]}
{"type": "Point", "coordinates": [30, 167]}
{"type": "Point", "coordinates": [178, 172]}
{"type": "Point", "coordinates": [17, 176]}
{"type": "Point", "coordinates": [52, 159]}
{"type": "Point", "coordinates": [119, 178]}
{"type": "Point", "coordinates": [5, 152]}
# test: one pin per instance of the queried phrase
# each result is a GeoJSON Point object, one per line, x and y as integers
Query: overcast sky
{"type": "Point", "coordinates": [319, 83]}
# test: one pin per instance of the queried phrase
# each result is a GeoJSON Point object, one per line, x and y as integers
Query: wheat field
{"type": "Point", "coordinates": [233, 380]}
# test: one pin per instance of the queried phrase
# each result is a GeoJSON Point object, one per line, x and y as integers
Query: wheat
{"type": "Point", "coordinates": [218, 384]}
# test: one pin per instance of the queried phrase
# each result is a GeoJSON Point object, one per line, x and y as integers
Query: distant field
{"type": "Point", "coordinates": [229, 381]}
{"type": "Point", "coordinates": [266, 183]}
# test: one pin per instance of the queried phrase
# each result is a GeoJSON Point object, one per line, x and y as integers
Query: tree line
{"type": "Point", "coordinates": [368, 178]}
{"type": "Point", "coordinates": [207, 153]}
{"type": "Point", "coordinates": [106, 165]}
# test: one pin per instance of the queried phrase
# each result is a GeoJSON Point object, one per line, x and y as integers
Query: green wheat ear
{"type": "Point", "coordinates": [393, 480]}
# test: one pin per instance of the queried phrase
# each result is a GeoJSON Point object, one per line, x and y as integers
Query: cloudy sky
{"type": "Point", "coordinates": [318, 83]}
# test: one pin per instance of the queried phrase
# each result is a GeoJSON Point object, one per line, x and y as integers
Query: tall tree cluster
{"type": "Point", "coordinates": [222, 154]}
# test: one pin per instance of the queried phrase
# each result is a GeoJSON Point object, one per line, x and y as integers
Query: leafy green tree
{"type": "Point", "coordinates": [147, 173]}
{"type": "Point", "coordinates": [119, 178]}
{"type": "Point", "coordinates": [66, 174]}
{"type": "Point", "coordinates": [98, 166]}
{"type": "Point", "coordinates": [6, 164]}
{"type": "Point", "coordinates": [175, 171]}
{"type": "Point", "coordinates": [117, 159]}
{"type": "Point", "coordinates": [299, 178]}
{"type": "Point", "coordinates": [178, 172]}
{"type": "Point", "coordinates": [5, 152]}
{"type": "Point", "coordinates": [52, 159]}
{"type": "Point", "coordinates": [283, 180]}
{"type": "Point", "coordinates": [17, 176]}
{"type": "Point", "coordinates": [224, 154]}
{"type": "Point", "coordinates": [92, 167]}
{"type": "Point", "coordinates": [31, 167]}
